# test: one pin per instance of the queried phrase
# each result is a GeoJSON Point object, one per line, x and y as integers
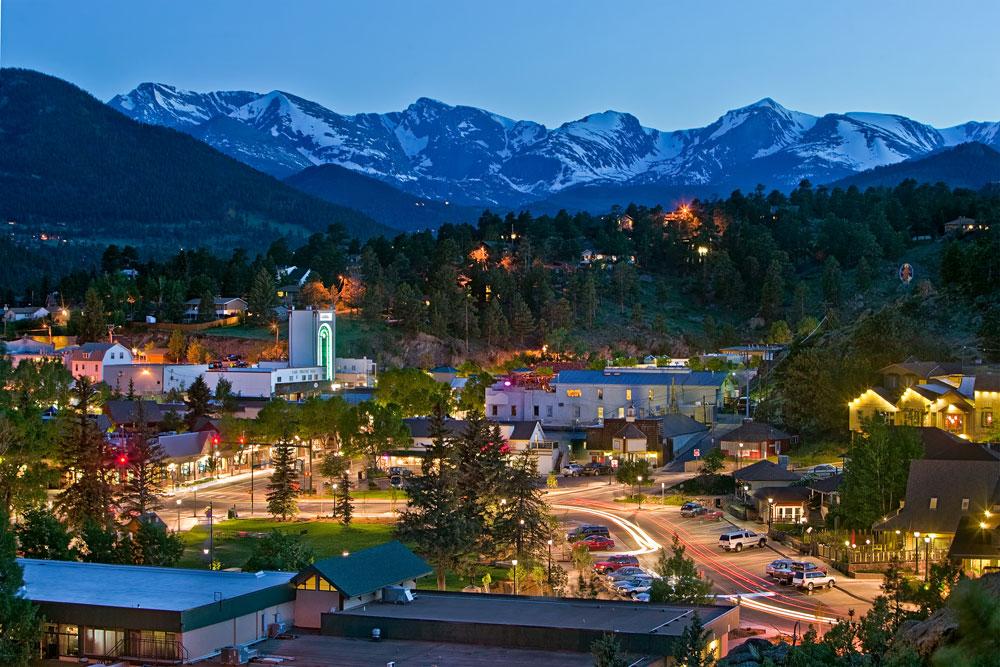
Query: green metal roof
{"type": "Point", "coordinates": [369, 569]}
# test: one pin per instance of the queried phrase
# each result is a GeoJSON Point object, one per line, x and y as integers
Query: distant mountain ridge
{"type": "Point", "coordinates": [471, 156]}
{"type": "Point", "coordinates": [969, 165]}
{"type": "Point", "coordinates": [72, 166]}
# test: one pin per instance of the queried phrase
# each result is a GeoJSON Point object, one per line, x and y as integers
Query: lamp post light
{"type": "Point", "coordinates": [514, 563]}
{"type": "Point", "coordinates": [916, 553]}
{"type": "Point", "coordinates": [927, 558]}
{"type": "Point", "coordinates": [639, 479]}
{"type": "Point", "coordinates": [770, 514]}
{"type": "Point", "coordinates": [663, 490]}
{"type": "Point", "coordinates": [550, 561]}
{"type": "Point", "coordinates": [739, 455]}
{"type": "Point", "coordinates": [178, 515]}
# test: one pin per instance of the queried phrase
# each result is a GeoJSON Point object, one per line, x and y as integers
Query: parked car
{"type": "Point", "coordinates": [824, 470]}
{"type": "Point", "coordinates": [775, 566]}
{"type": "Point", "coordinates": [400, 470]}
{"type": "Point", "coordinates": [638, 584]}
{"type": "Point", "coordinates": [595, 468]}
{"type": "Point", "coordinates": [785, 576]}
{"type": "Point", "coordinates": [598, 543]}
{"type": "Point", "coordinates": [612, 563]}
{"type": "Point", "coordinates": [690, 509]}
{"type": "Point", "coordinates": [710, 515]}
{"type": "Point", "coordinates": [627, 572]}
{"type": "Point", "coordinates": [640, 597]}
{"type": "Point", "coordinates": [572, 470]}
{"type": "Point", "coordinates": [813, 579]}
{"type": "Point", "coordinates": [586, 530]}
{"type": "Point", "coordinates": [737, 540]}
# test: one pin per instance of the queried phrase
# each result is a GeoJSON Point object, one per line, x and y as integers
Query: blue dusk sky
{"type": "Point", "coordinates": [672, 64]}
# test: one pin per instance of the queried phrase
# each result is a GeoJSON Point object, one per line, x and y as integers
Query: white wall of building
{"type": "Point", "coordinates": [209, 640]}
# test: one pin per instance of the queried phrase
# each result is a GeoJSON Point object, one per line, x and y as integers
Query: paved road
{"type": "Point", "coordinates": [766, 604]}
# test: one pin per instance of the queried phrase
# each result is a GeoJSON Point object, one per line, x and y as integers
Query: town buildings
{"type": "Point", "coordinates": [932, 394]}
{"type": "Point", "coordinates": [587, 397]}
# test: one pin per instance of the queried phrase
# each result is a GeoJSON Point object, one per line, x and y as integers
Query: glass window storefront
{"type": "Point", "coordinates": [60, 640]}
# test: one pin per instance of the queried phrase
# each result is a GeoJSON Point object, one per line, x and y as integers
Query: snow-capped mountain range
{"type": "Point", "coordinates": [471, 156]}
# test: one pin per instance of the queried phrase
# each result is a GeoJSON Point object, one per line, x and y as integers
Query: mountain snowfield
{"type": "Point", "coordinates": [472, 156]}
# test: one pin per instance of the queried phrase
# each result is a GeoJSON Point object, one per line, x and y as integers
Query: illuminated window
{"type": "Point", "coordinates": [307, 585]}
{"type": "Point", "coordinates": [600, 394]}
{"type": "Point", "coordinates": [621, 412]}
{"type": "Point", "coordinates": [628, 394]}
{"type": "Point", "coordinates": [324, 585]}
{"type": "Point", "coordinates": [965, 503]}
{"type": "Point", "coordinates": [600, 412]}
{"type": "Point", "coordinates": [934, 503]}
{"type": "Point", "coordinates": [954, 422]}
{"type": "Point", "coordinates": [649, 394]}
{"type": "Point", "coordinates": [574, 393]}
{"type": "Point", "coordinates": [987, 418]}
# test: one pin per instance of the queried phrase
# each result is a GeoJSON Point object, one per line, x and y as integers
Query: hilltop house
{"type": "Point", "coordinates": [223, 307]}
{"type": "Point", "coordinates": [932, 394]}
{"type": "Point", "coordinates": [26, 313]}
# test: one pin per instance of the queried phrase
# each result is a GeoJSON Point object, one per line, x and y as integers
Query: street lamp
{"type": "Point", "coordinates": [550, 561]}
{"type": "Point", "coordinates": [639, 479]}
{"type": "Point", "coordinates": [178, 515]}
{"type": "Point", "coordinates": [739, 456]}
{"type": "Point", "coordinates": [514, 563]}
{"type": "Point", "coordinates": [916, 553]}
{"type": "Point", "coordinates": [770, 514]}
{"type": "Point", "coordinates": [927, 558]}
{"type": "Point", "coordinates": [663, 490]}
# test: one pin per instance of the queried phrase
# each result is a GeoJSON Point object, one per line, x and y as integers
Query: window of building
{"type": "Point", "coordinates": [621, 412]}
{"type": "Point", "coordinates": [324, 585]}
{"type": "Point", "coordinates": [101, 641]}
{"type": "Point", "coordinates": [965, 503]}
{"type": "Point", "coordinates": [912, 417]}
{"type": "Point", "coordinates": [600, 394]}
{"type": "Point", "coordinates": [954, 422]}
{"type": "Point", "coordinates": [548, 411]}
{"type": "Point", "coordinates": [513, 411]}
{"type": "Point", "coordinates": [986, 420]}
{"type": "Point", "coordinates": [600, 412]}
{"type": "Point", "coordinates": [934, 502]}
{"type": "Point", "coordinates": [576, 412]}
{"type": "Point", "coordinates": [534, 410]}
{"type": "Point", "coordinates": [649, 394]}
{"type": "Point", "coordinates": [307, 585]}
{"type": "Point", "coordinates": [493, 410]}
{"type": "Point", "coordinates": [574, 393]}
{"type": "Point", "coordinates": [628, 394]}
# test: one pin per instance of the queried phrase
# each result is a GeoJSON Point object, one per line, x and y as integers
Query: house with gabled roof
{"type": "Point", "coordinates": [932, 394]}
{"type": "Point", "coordinates": [354, 579]}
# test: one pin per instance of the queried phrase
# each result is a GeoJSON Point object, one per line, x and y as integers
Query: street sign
{"type": "Point", "coordinates": [697, 453]}
{"type": "Point", "coordinates": [614, 463]}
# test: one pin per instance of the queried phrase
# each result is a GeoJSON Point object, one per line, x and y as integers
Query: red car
{"type": "Point", "coordinates": [598, 543]}
{"type": "Point", "coordinates": [711, 515]}
{"type": "Point", "coordinates": [612, 563]}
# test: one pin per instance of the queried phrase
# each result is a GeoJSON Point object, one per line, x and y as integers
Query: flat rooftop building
{"type": "Point", "coordinates": [533, 622]}
{"type": "Point", "coordinates": [153, 614]}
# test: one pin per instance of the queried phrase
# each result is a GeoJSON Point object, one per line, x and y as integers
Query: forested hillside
{"type": "Point", "coordinates": [73, 167]}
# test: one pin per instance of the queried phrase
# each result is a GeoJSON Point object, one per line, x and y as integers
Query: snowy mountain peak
{"type": "Point", "coordinates": [469, 155]}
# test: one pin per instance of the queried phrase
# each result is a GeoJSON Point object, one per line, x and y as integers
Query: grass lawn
{"type": "Point", "coordinates": [672, 499]}
{"type": "Point", "coordinates": [456, 582]}
{"type": "Point", "coordinates": [250, 331]}
{"type": "Point", "coordinates": [814, 453]}
{"type": "Point", "coordinates": [327, 538]}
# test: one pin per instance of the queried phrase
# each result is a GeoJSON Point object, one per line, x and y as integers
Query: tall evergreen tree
{"type": "Point", "coordinates": [20, 623]}
{"type": "Point", "coordinates": [262, 296]}
{"type": "Point", "coordinates": [198, 401]}
{"type": "Point", "coordinates": [522, 322]}
{"type": "Point", "coordinates": [772, 293]}
{"type": "Point", "coordinates": [693, 645]}
{"type": "Point", "coordinates": [832, 282]}
{"type": "Point", "coordinates": [144, 469]}
{"type": "Point", "coordinates": [92, 325]}
{"type": "Point", "coordinates": [86, 462]}
{"type": "Point", "coordinates": [41, 534]}
{"type": "Point", "coordinates": [282, 488]}
{"type": "Point", "coordinates": [345, 503]}
{"type": "Point", "coordinates": [679, 582]}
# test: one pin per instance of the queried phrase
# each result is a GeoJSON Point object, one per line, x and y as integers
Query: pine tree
{"type": "Point", "coordinates": [863, 277]}
{"type": "Point", "coordinates": [92, 325]}
{"type": "Point", "coordinates": [153, 545]}
{"type": "Point", "coordinates": [144, 481]}
{"type": "Point", "coordinates": [345, 504]}
{"type": "Point", "coordinates": [87, 462]}
{"type": "Point", "coordinates": [20, 624]}
{"type": "Point", "coordinates": [262, 296]}
{"type": "Point", "coordinates": [679, 582]}
{"type": "Point", "coordinates": [831, 282]}
{"type": "Point", "coordinates": [522, 323]}
{"type": "Point", "coordinates": [607, 652]}
{"type": "Point", "coordinates": [494, 326]}
{"type": "Point", "coordinates": [772, 293]}
{"type": "Point", "coordinates": [693, 645]}
{"type": "Point", "coordinates": [281, 489]}
{"type": "Point", "coordinates": [198, 401]}
{"type": "Point", "coordinates": [206, 307]}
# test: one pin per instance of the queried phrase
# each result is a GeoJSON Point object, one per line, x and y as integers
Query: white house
{"type": "Point", "coordinates": [26, 313]}
{"type": "Point", "coordinates": [224, 307]}
{"type": "Point", "coordinates": [91, 359]}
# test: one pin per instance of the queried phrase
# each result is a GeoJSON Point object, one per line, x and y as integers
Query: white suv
{"type": "Point", "coordinates": [737, 540]}
{"type": "Point", "coordinates": [812, 579]}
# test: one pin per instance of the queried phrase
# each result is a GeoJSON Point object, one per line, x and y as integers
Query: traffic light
{"type": "Point", "coordinates": [243, 440]}
{"type": "Point", "coordinates": [215, 440]}
{"type": "Point", "coordinates": [122, 459]}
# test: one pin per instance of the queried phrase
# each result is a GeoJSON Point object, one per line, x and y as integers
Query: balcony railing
{"type": "Point", "coordinates": [148, 650]}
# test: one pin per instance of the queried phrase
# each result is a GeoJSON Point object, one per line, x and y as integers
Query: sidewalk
{"type": "Point", "coordinates": [185, 489]}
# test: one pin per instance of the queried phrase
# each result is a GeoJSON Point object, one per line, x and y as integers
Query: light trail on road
{"type": "Point", "coordinates": [647, 544]}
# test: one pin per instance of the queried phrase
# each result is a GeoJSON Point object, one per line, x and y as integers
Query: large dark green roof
{"type": "Point", "coordinates": [369, 569]}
